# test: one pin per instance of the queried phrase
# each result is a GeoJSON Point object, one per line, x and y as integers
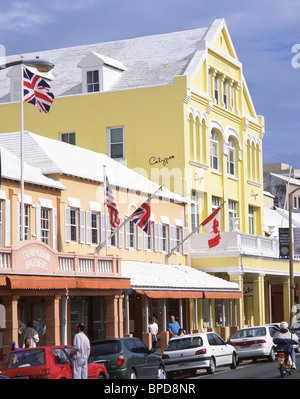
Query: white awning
{"type": "Point", "coordinates": [150, 277]}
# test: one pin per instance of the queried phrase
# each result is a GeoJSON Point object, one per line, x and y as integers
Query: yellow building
{"type": "Point", "coordinates": [176, 108]}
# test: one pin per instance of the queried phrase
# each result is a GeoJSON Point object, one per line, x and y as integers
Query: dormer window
{"type": "Point", "coordinates": [99, 72]}
{"type": "Point", "coordinates": [92, 81]}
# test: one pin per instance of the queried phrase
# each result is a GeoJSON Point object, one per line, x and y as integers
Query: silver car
{"type": "Point", "coordinates": [255, 342]}
{"type": "Point", "coordinates": [191, 352]}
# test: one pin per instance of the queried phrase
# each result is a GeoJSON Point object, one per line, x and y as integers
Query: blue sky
{"type": "Point", "coordinates": [263, 33]}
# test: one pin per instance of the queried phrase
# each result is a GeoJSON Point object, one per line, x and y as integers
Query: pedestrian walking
{"type": "Point", "coordinates": [80, 353]}
{"type": "Point", "coordinates": [153, 329]}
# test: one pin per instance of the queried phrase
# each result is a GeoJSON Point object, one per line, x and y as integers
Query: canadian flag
{"type": "Point", "coordinates": [212, 226]}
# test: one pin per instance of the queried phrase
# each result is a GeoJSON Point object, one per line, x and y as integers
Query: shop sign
{"type": "Point", "coordinates": [33, 257]}
{"type": "Point", "coordinates": [284, 243]}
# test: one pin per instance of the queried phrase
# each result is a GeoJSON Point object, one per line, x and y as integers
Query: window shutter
{"type": "Point", "coordinates": [7, 223]}
{"type": "Point", "coordinates": [89, 227]}
{"type": "Point", "coordinates": [160, 241]}
{"type": "Point", "coordinates": [155, 238]}
{"type": "Point", "coordinates": [172, 235]}
{"type": "Point", "coordinates": [18, 221]}
{"type": "Point", "coordinates": [127, 235]}
{"type": "Point", "coordinates": [38, 222]}
{"type": "Point", "coordinates": [82, 226]}
{"type": "Point", "coordinates": [102, 227]}
{"type": "Point", "coordinates": [120, 235]}
{"type": "Point", "coordinates": [54, 229]}
{"type": "Point", "coordinates": [185, 244]}
{"type": "Point", "coordinates": [67, 224]}
{"type": "Point", "coordinates": [139, 238]}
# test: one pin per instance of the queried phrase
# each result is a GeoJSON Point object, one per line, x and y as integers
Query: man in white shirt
{"type": "Point", "coordinates": [80, 353]}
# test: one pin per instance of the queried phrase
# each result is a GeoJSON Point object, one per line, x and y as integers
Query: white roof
{"type": "Point", "coordinates": [54, 156]}
{"type": "Point", "coordinates": [172, 277]}
{"type": "Point", "coordinates": [278, 218]}
{"type": "Point", "coordinates": [11, 169]}
{"type": "Point", "coordinates": [149, 61]}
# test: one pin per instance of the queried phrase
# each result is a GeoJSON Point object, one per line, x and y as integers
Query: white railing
{"type": "Point", "coordinates": [104, 266]}
{"type": "Point", "coordinates": [236, 242]}
{"type": "Point", "coordinates": [86, 265]}
{"type": "Point", "coordinates": [4, 260]}
{"type": "Point", "coordinates": [65, 264]}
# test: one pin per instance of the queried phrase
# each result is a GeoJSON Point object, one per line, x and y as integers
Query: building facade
{"type": "Point", "coordinates": [175, 108]}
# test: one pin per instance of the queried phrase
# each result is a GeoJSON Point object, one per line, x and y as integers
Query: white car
{"type": "Point", "coordinates": [191, 352]}
{"type": "Point", "coordinates": [255, 342]}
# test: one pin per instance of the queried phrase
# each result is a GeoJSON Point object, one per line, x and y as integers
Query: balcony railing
{"type": "Point", "coordinates": [52, 262]}
{"type": "Point", "coordinates": [235, 243]}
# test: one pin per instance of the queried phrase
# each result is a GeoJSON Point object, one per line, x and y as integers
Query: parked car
{"type": "Point", "coordinates": [191, 352]}
{"type": "Point", "coordinates": [255, 342]}
{"type": "Point", "coordinates": [48, 362]}
{"type": "Point", "coordinates": [128, 358]}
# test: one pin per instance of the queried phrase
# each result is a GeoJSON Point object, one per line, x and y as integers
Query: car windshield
{"type": "Point", "coordinates": [250, 332]}
{"type": "Point", "coordinates": [24, 358]}
{"type": "Point", "coordinates": [184, 343]}
{"type": "Point", "coordinates": [105, 348]}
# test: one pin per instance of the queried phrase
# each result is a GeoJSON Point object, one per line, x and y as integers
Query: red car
{"type": "Point", "coordinates": [45, 362]}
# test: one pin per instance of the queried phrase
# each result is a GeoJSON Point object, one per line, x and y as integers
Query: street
{"type": "Point", "coordinates": [263, 369]}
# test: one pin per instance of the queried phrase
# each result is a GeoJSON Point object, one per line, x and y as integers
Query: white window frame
{"type": "Point", "coordinates": [194, 209]}
{"type": "Point", "coordinates": [45, 225]}
{"type": "Point", "coordinates": [93, 83]}
{"type": "Point", "coordinates": [110, 144]}
{"type": "Point", "coordinates": [225, 93]}
{"type": "Point", "coordinates": [232, 213]}
{"type": "Point", "coordinates": [231, 157]}
{"type": "Point", "coordinates": [214, 150]}
{"type": "Point", "coordinates": [67, 135]}
{"type": "Point", "coordinates": [251, 220]}
{"type": "Point", "coordinates": [216, 88]}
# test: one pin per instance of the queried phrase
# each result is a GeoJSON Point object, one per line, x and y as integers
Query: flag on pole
{"type": "Point", "coordinates": [114, 216]}
{"type": "Point", "coordinates": [37, 91]}
{"type": "Point", "coordinates": [142, 217]}
{"type": "Point", "coordinates": [212, 226]}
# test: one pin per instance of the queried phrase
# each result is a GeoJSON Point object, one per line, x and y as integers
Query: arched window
{"type": "Point", "coordinates": [214, 150]}
{"type": "Point", "coordinates": [231, 158]}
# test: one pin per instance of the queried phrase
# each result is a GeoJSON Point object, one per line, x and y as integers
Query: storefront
{"type": "Point", "coordinates": [198, 300]}
{"type": "Point", "coordinates": [54, 291]}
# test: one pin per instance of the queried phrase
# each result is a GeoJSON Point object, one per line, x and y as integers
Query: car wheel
{"type": "Point", "coordinates": [234, 361]}
{"type": "Point", "coordinates": [132, 375]}
{"type": "Point", "coordinates": [212, 366]}
{"type": "Point", "coordinates": [272, 355]}
{"type": "Point", "coordinates": [161, 373]}
{"type": "Point", "coordinates": [101, 377]}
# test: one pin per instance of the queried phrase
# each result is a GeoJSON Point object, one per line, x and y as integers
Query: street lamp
{"type": "Point", "coordinates": [41, 65]}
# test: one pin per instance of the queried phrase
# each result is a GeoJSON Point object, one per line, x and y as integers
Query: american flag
{"type": "Point", "coordinates": [37, 91]}
{"type": "Point", "coordinates": [114, 216]}
{"type": "Point", "coordinates": [142, 217]}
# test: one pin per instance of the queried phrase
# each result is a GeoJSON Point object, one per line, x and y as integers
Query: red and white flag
{"type": "Point", "coordinates": [212, 226]}
{"type": "Point", "coordinates": [114, 216]}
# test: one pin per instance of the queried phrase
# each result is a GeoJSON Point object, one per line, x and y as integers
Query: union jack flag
{"type": "Point", "coordinates": [142, 217]}
{"type": "Point", "coordinates": [114, 217]}
{"type": "Point", "coordinates": [37, 91]}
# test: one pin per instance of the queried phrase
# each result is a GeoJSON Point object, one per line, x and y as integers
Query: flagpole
{"type": "Point", "coordinates": [22, 154]}
{"type": "Point", "coordinates": [170, 253]}
{"type": "Point", "coordinates": [105, 209]}
{"type": "Point", "coordinates": [101, 245]}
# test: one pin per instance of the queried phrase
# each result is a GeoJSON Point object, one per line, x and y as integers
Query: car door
{"type": "Point", "coordinates": [146, 364]}
{"type": "Point", "coordinates": [63, 366]}
{"type": "Point", "coordinates": [137, 357]}
{"type": "Point", "coordinates": [218, 349]}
